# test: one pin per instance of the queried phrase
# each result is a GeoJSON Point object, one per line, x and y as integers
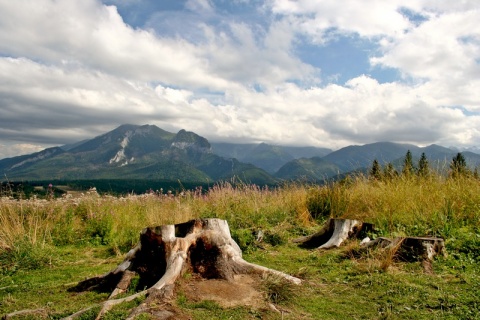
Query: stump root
{"type": "Point", "coordinates": [203, 246]}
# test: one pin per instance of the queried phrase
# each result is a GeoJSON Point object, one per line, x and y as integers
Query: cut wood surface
{"type": "Point", "coordinates": [334, 233]}
{"type": "Point", "coordinates": [203, 246]}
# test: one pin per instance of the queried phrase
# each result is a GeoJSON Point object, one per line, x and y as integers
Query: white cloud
{"type": "Point", "coordinates": [366, 18]}
{"type": "Point", "coordinates": [95, 36]}
{"type": "Point", "coordinates": [51, 105]}
{"type": "Point", "coordinates": [36, 96]}
{"type": "Point", "coordinates": [441, 51]}
{"type": "Point", "coordinates": [125, 2]}
{"type": "Point", "coordinates": [174, 96]}
{"type": "Point", "coordinates": [449, 43]}
{"type": "Point", "coordinates": [8, 151]}
{"type": "Point", "coordinates": [444, 52]}
{"type": "Point", "coordinates": [200, 6]}
{"type": "Point", "coordinates": [335, 116]}
{"type": "Point", "coordinates": [248, 55]}
{"type": "Point", "coordinates": [70, 70]}
{"type": "Point", "coordinates": [442, 48]}
{"type": "Point", "coordinates": [435, 6]}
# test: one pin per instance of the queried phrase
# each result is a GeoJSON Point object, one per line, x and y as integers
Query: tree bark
{"type": "Point", "coordinates": [202, 246]}
{"type": "Point", "coordinates": [334, 233]}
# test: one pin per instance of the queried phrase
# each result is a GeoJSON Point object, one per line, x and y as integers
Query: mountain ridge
{"type": "Point", "coordinates": [133, 152]}
{"type": "Point", "coordinates": [148, 152]}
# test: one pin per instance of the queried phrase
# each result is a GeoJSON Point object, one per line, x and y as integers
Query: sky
{"type": "Point", "coordinates": [322, 73]}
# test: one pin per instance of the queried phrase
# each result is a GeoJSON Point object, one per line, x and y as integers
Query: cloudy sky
{"type": "Point", "coordinates": [291, 72]}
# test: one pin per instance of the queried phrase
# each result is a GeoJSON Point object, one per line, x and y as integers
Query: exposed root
{"type": "Point", "coordinates": [202, 246]}
{"type": "Point", "coordinates": [334, 233]}
{"type": "Point", "coordinates": [31, 312]}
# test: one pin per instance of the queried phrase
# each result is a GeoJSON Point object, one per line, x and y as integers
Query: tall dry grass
{"type": "Point", "coordinates": [117, 221]}
{"type": "Point", "coordinates": [435, 205]}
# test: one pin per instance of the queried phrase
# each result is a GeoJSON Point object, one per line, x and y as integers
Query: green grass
{"type": "Point", "coordinates": [46, 287]}
{"type": "Point", "coordinates": [47, 247]}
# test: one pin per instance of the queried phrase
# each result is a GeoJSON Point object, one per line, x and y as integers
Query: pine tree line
{"type": "Point", "coordinates": [458, 167]}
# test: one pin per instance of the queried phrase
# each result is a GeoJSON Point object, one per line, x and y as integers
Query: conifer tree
{"type": "Point", "coordinates": [408, 169]}
{"type": "Point", "coordinates": [375, 171]}
{"type": "Point", "coordinates": [389, 171]}
{"type": "Point", "coordinates": [423, 166]}
{"type": "Point", "coordinates": [458, 166]}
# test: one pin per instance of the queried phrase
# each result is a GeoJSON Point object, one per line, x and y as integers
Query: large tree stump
{"type": "Point", "coordinates": [411, 249]}
{"type": "Point", "coordinates": [202, 246]}
{"type": "Point", "coordinates": [334, 233]}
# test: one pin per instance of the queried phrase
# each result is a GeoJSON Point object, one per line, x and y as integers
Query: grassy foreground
{"type": "Point", "coordinates": [47, 246]}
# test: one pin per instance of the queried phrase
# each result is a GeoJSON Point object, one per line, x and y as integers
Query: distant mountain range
{"type": "Point", "coordinates": [268, 157]}
{"type": "Point", "coordinates": [148, 152]}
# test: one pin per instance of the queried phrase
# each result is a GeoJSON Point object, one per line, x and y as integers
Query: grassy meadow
{"type": "Point", "coordinates": [47, 246]}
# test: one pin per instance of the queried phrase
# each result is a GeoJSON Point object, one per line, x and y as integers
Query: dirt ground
{"type": "Point", "coordinates": [243, 291]}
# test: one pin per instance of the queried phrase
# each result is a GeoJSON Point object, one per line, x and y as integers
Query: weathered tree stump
{"type": "Point", "coordinates": [202, 246]}
{"type": "Point", "coordinates": [411, 249]}
{"type": "Point", "coordinates": [334, 233]}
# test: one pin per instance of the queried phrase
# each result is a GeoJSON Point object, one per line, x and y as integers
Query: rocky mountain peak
{"type": "Point", "coordinates": [190, 140]}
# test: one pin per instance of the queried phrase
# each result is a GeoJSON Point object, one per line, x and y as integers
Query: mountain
{"type": "Point", "coordinates": [353, 157]}
{"type": "Point", "coordinates": [473, 149]}
{"type": "Point", "coordinates": [18, 163]}
{"type": "Point", "coordinates": [70, 146]}
{"type": "Point", "coordinates": [134, 152]}
{"type": "Point", "coordinates": [360, 158]}
{"type": "Point", "coordinates": [308, 169]}
{"type": "Point", "coordinates": [232, 150]}
{"type": "Point", "coordinates": [267, 157]}
{"type": "Point", "coordinates": [148, 152]}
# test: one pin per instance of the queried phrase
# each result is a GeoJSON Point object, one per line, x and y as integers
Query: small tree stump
{"type": "Point", "coordinates": [203, 246]}
{"type": "Point", "coordinates": [334, 233]}
{"type": "Point", "coordinates": [411, 249]}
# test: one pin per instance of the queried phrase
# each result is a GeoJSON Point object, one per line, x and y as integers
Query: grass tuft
{"type": "Point", "coordinates": [278, 290]}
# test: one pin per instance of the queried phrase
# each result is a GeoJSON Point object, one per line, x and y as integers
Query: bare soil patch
{"type": "Point", "coordinates": [244, 290]}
